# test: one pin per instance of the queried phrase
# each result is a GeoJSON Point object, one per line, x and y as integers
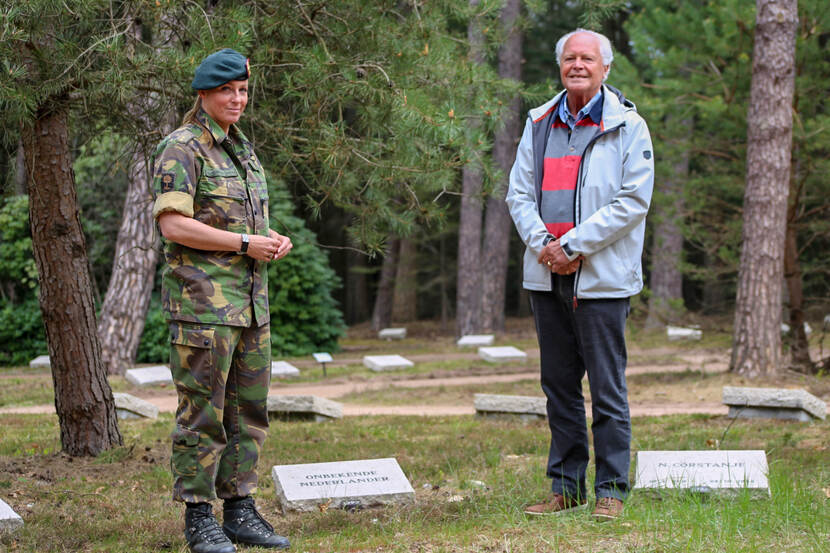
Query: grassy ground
{"type": "Point", "coordinates": [120, 501]}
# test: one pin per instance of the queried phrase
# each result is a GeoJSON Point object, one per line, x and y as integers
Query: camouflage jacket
{"type": "Point", "coordinates": [217, 179]}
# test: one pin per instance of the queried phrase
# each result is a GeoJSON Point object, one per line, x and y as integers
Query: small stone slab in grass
{"type": "Point", "coordinates": [40, 362]}
{"type": "Point", "coordinates": [703, 471]}
{"type": "Point", "coordinates": [773, 403]}
{"type": "Point", "coordinates": [9, 520]}
{"type": "Point", "coordinates": [349, 485]}
{"type": "Point", "coordinates": [392, 334]}
{"type": "Point", "coordinates": [380, 363]}
{"type": "Point", "coordinates": [525, 408]}
{"type": "Point", "coordinates": [502, 354]}
{"type": "Point", "coordinates": [303, 408]}
{"type": "Point", "coordinates": [283, 369]}
{"type": "Point", "coordinates": [149, 376]}
{"type": "Point", "coordinates": [475, 340]}
{"type": "Point", "coordinates": [675, 333]}
{"type": "Point", "coordinates": [130, 407]}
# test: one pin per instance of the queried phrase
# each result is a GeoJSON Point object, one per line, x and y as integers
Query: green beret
{"type": "Point", "coordinates": [219, 68]}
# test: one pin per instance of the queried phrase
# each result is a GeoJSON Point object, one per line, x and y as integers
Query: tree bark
{"type": "Point", "coordinates": [756, 344]}
{"type": "Point", "coordinates": [385, 297]}
{"type": "Point", "coordinates": [405, 304]}
{"type": "Point", "coordinates": [666, 298]}
{"type": "Point", "coordinates": [799, 346]}
{"type": "Point", "coordinates": [83, 398]}
{"type": "Point", "coordinates": [20, 170]}
{"type": "Point", "coordinates": [130, 288]}
{"type": "Point", "coordinates": [497, 223]}
{"type": "Point", "coordinates": [468, 278]}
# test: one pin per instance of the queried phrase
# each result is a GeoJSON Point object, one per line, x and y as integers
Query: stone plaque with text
{"type": "Point", "coordinates": [703, 471]}
{"type": "Point", "coordinates": [341, 484]}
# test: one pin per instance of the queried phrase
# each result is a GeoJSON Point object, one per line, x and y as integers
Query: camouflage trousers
{"type": "Point", "coordinates": [222, 374]}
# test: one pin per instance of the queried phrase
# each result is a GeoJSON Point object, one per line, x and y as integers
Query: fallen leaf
{"type": "Point", "coordinates": [324, 506]}
{"type": "Point", "coordinates": [827, 493]}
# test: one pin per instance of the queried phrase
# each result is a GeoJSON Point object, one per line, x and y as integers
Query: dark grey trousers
{"type": "Point", "coordinates": [572, 341]}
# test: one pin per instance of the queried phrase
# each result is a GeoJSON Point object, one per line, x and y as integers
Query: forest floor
{"type": "Point", "coordinates": [119, 501]}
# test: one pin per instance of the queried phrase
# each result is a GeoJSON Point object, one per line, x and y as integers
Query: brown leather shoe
{"type": "Point", "coordinates": [607, 508]}
{"type": "Point", "coordinates": [558, 504]}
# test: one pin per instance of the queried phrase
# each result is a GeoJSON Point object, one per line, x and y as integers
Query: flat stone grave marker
{"type": "Point", "coordinates": [703, 471]}
{"type": "Point", "coordinates": [283, 369]}
{"type": "Point", "coordinates": [773, 403]}
{"type": "Point", "coordinates": [526, 408]}
{"type": "Point", "coordinates": [386, 362]}
{"type": "Point", "coordinates": [9, 520]}
{"type": "Point", "coordinates": [392, 334]}
{"type": "Point", "coordinates": [304, 408]}
{"type": "Point", "coordinates": [502, 354]}
{"type": "Point", "coordinates": [39, 362]}
{"type": "Point", "coordinates": [475, 340]}
{"type": "Point", "coordinates": [149, 376]}
{"type": "Point", "coordinates": [674, 333]}
{"type": "Point", "coordinates": [130, 407]}
{"type": "Point", "coordinates": [342, 484]}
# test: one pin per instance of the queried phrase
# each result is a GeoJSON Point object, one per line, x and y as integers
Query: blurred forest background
{"type": "Point", "coordinates": [387, 129]}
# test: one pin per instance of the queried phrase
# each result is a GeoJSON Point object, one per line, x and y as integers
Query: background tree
{"type": "Point", "coordinates": [498, 227]}
{"type": "Point", "coordinates": [756, 347]}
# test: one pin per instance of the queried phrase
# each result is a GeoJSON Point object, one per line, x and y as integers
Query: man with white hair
{"type": "Point", "coordinates": [579, 192]}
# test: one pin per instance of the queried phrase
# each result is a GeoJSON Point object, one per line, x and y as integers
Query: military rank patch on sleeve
{"type": "Point", "coordinates": [647, 154]}
{"type": "Point", "coordinates": [167, 182]}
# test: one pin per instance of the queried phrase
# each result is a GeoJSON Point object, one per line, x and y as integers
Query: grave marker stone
{"type": "Point", "coordinates": [773, 403]}
{"type": "Point", "coordinates": [502, 354]}
{"type": "Point", "coordinates": [475, 340]}
{"type": "Point", "coordinates": [674, 333]}
{"type": "Point", "coordinates": [283, 369]}
{"type": "Point", "coordinates": [39, 362]}
{"type": "Point", "coordinates": [9, 520]}
{"type": "Point", "coordinates": [130, 407]}
{"type": "Point", "coordinates": [149, 376]}
{"type": "Point", "coordinates": [526, 408]}
{"type": "Point", "coordinates": [313, 408]}
{"type": "Point", "coordinates": [342, 484]}
{"type": "Point", "coordinates": [703, 471]}
{"type": "Point", "coordinates": [392, 334]}
{"type": "Point", "coordinates": [386, 362]}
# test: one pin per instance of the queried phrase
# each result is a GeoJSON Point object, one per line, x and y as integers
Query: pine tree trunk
{"type": "Point", "coordinates": [20, 170]}
{"type": "Point", "coordinates": [497, 223]}
{"type": "Point", "coordinates": [468, 278]}
{"type": "Point", "coordinates": [357, 301]}
{"type": "Point", "coordinates": [756, 345]}
{"type": "Point", "coordinates": [83, 398]}
{"type": "Point", "coordinates": [666, 277]}
{"type": "Point", "coordinates": [405, 305]}
{"type": "Point", "coordinates": [385, 297]}
{"type": "Point", "coordinates": [799, 346]}
{"type": "Point", "coordinates": [130, 288]}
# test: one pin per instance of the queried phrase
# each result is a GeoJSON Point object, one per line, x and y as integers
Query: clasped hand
{"type": "Point", "coordinates": [269, 248]}
{"type": "Point", "coordinates": [555, 259]}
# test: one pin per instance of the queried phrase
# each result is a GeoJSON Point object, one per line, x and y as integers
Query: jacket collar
{"type": "Point", "coordinates": [613, 108]}
{"type": "Point", "coordinates": [216, 131]}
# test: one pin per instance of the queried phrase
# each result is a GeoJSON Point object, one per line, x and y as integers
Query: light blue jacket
{"type": "Point", "coordinates": [613, 193]}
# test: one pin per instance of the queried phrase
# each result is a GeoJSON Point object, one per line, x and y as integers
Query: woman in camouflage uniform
{"type": "Point", "coordinates": [211, 205]}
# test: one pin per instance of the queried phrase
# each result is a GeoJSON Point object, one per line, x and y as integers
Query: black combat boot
{"type": "Point", "coordinates": [243, 524]}
{"type": "Point", "coordinates": [202, 532]}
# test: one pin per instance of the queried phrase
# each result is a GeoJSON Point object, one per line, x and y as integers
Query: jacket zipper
{"type": "Point", "coordinates": [579, 193]}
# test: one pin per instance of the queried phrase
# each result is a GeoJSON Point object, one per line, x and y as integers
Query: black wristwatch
{"type": "Point", "coordinates": [567, 249]}
{"type": "Point", "coordinates": [245, 242]}
{"type": "Point", "coordinates": [549, 238]}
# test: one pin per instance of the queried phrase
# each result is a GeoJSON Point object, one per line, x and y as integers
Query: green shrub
{"type": "Point", "coordinates": [304, 314]}
{"type": "Point", "coordinates": [154, 346]}
{"type": "Point", "coordinates": [21, 328]}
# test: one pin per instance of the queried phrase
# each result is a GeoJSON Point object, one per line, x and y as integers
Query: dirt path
{"type": "Point", "coordinates": [166, 401]}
